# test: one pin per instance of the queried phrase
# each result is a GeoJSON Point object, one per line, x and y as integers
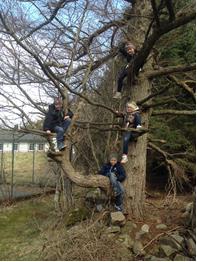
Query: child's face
{"type": "Point", "coordinates": [58, 106]}
{"type": "Point", "coordinates": [129, 109]}
{"type": "Point", "coordinates": [130, 50]}
{"type": "Point", "coordinates": [113, 161]}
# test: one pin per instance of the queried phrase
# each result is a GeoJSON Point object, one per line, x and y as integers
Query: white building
{"type": "Point", "coordinates": [21, 142]}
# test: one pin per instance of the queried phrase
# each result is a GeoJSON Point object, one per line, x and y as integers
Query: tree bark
{"type": "Point", "coordinates": [136, 166]}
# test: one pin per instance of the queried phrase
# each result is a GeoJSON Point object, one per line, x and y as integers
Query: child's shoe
{"type": "Point", "coordinates": [124, 159]}
{"type": "Point", "coordinates": [117, 95]}
{"type": "Point", "coordinates": [61, 146]}
{"type": "Point", "coordinates": [118, 208]}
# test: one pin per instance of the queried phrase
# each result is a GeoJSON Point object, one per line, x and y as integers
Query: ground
{"type": "Point", "coordinates": [27, 227]}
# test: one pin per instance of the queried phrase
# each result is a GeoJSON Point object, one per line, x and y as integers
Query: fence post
{"type": "Point", "coordinates": [33, 170]}
{"type": "Point", "coordinates": [12, 175]}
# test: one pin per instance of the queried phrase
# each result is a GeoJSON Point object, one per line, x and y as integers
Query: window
{"type": "Point", "coordinates": [31, 147]}
{"type": "Point", "coordinates": [41, 147]}
{"type": "Point", "coordinates": [1, 147]}
{"type": "Point", "coordinates": [15, 147]}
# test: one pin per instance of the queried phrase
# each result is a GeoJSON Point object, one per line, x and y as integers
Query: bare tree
{"type": "Point", "coordinates": [65, 46]}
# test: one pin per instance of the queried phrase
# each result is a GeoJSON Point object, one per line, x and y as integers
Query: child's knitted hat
{"type": "Point", "coordinates": [113, 155]}
{"type": "Point", "coordinates": [133, 105]}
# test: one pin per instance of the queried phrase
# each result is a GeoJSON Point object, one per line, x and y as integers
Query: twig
{"type": "Point", "coordinates": [157, 236]}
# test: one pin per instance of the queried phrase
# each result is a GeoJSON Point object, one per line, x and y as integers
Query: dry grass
{"type": "Point", "coordinates": [86, 243]}
{"type": "Point", "coordinates": [39, 233]}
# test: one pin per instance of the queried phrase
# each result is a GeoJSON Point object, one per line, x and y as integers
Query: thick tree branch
{"type": "Point", "coordinates": [139, 131]}
{"type": "Point", "coordinates": [164, 102]}
{"type": "Point", "coordinates": [85, 181]}
{"type": "Point", "coordinates": [76, 177]}
{"type": "Point", "coordinates": [170, 70]}
{"type": "Point", "coordinates": [174, 112]}
{"type": "Point", "coordinates": [157, 34]}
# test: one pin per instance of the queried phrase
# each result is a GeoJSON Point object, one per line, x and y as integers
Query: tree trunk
{"type": "Point", "coordinates": [63, 195]}
{"type": "Point", "coordinates": [136, 166]}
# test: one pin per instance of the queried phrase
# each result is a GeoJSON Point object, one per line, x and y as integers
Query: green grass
{"type": "Point", "coordinates": [23, 167]}
{"type": "Point", "coordinates": [20, 227]}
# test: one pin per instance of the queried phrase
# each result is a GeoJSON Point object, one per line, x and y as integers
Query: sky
{"type": "Point", "coordinates": [33, 90]}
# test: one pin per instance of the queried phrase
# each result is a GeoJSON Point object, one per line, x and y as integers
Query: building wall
{"type": "Point", "coordinates": [7, 147]}
{"type": "Point", "coordinates": [24, 147]}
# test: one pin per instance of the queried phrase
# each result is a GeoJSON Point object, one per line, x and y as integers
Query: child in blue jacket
{"type": "Point", "coordinates": [116, 173]}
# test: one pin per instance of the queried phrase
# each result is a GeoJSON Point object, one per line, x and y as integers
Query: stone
{"type": "Point", "coordinates": [173, 240]}
{"type": "Point", "coordinates": [113, 229]}
{"type": "Point", "coordinates": [178, 240]}
{"type": "Point", "coordinates": [138, 248]}
{"type": "Point", "coordinates": [167, 250]}
{"type": "Point", "coordinates": [191, 246]}
{"type": "Point", "coordinates": [96, 198]}
{"type": "Point", "coordinates": [93, 194]}
{"type": "Point", "coordinates": [145, 228]}
{"type": "Point", "coordinates": [180, 257]}
{"type": "Point", "coordinates": [189, 207]}
{"type": "Point", "coordinates": [154, 258]}
{"type": "Point", "coordinates": [117, 219]}
{"type": "Point", "coordinates": [161, 226]}
{"type": "Point", "coordinates": [128, 227]}
{"type": "Point", "coordinates": [99, 207]}
{"type": "Point", "coordinates": [126, 240]}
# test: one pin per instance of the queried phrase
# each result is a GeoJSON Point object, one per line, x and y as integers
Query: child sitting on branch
{"type": "Point", "coordinates": [131, 119]}
{"type": "Point", "coordinates": [116, 174]}
{"type": "Point", "coordinates": [58, 121]}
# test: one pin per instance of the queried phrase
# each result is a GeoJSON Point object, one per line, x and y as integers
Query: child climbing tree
{"type": "Point", "coordinates": [51, 55]}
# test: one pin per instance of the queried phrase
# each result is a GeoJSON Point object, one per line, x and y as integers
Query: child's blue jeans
{"type": "Point", "coordinates": [117, 188]}
{"type": "Point", "coordinates": [60, 130]}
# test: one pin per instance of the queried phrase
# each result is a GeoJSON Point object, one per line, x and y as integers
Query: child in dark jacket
{"type": "Point", "coordinates": [131, 119]}
{"type": "Point", "coordinates": [116, 173]}
{"type": "Point", "coordinates": [57, 121]}
{"type": "Point", "coordinates": [128, 50]}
